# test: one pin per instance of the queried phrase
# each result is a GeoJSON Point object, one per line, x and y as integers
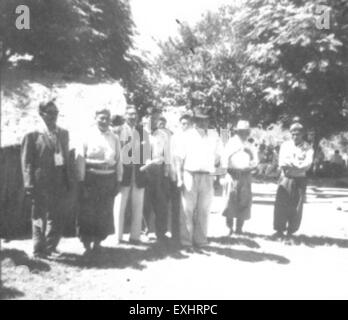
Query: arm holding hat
{"type": "Point", "coordinates": [306, 163]}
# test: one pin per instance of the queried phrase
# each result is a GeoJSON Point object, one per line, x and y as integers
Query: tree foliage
{"type": "Point", "coordinates": [265, 60]}
{"type": "Point", "coordinates": [71, 36]}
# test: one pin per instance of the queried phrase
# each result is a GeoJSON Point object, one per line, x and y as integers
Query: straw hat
{"type": "Point", "coordinates": [242, 125]}
{"type": "Point", "coordinates": [296, 127]}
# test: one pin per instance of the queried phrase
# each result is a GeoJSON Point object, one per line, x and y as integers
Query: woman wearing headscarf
{"type": "Point", "coordinates": [99, 172]}
{"type": "Point", "coordinates": [295, 159]}
{"type": "Point", "coordinates": [239, 159]}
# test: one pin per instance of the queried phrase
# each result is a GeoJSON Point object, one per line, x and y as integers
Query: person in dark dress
{"type": "Point", "coordinates": [99, 173]}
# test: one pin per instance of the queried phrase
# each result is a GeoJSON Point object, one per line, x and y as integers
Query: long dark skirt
{"type": "Point", "coordinates": [95, 220]}
{"type": "Point", "coordinates": [291, 195]}
{"type": "Point", "coordinates": [240, 197]}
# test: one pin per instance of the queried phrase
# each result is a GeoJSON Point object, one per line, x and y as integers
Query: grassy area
{"type": "Point", "coordinates": [311, 265]}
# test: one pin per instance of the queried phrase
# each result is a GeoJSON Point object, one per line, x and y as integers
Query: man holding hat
{"type": "Point", "coordinates": [295, 159]}
{"type": "Point", "coordinates": [198, 155]}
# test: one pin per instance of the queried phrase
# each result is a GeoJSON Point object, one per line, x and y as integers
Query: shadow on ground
{"type": "Point", "coordinates": [248, 256]}
{"type": "Point", "coordinates": [135, 257]}
{"type": "Point", "coordinates": [121, 258]}
{"type": "Point", "coordinates": [9, 293]}
{"type": "Point", "coordinates": [243, 255]}
{"type": "Point", "coordinates": [235, 242]}
{"type": "Point", "coordinates": [310, 241]}
{"type": "Point", "coordinates": [13, 257]}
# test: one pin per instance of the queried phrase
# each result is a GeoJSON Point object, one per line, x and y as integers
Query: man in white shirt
{"type": "Point", "coordinates": [198, 157]}
{"type": "Point", "coordinates": [174, 191]}
{"type": "Point", "coordinates": [295, 159]}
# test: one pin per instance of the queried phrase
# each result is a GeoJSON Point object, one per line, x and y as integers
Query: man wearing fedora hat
{"type": "Point", "coordinates": [198, 156]}
{"type": "Point", "coordinates": [240, 160]}
{"type": "Point", "coordinates": [295, 159]}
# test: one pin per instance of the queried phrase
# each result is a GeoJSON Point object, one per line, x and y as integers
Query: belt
{"type": "Point", "coordinates": [101, 171]}
{"type": "Point", "coordinates": [198, 172]}
{"type": "Point", "coordinates": [101, 167]}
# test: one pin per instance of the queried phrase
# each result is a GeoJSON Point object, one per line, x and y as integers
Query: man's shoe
{"type": "Point", "coordinates": [187, 249]}
{"type": "Point", "coordinates": [163, 239]}
{"type": "Point", "coordinates": [278, 235]}
{"type": "Point", "coordinates": [54, 254]}
{"type": "Point", "coordinates": [97, 247]}
{"type": "Point", "coordinates": [87, 252]}
{"type": "Point", "coordinates": [134, 242]}
{"type": "Point", "coordinates": [39, 256]}
{"type": "Point", "coordinates": [239, 231]}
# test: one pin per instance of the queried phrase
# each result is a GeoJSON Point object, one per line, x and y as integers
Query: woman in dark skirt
{"type": "Point", "coordinates": [239, 159]}
{"type": "Point", "coordinates": [295, 159]}
{"type": "Point", "coordinates": [99, 171]}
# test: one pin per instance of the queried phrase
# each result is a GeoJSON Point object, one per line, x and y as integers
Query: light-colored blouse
{"type": "Point", "coordinates": [100, 153]}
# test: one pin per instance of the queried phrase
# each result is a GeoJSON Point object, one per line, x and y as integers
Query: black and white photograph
{"type": "Point", "coordinates": [173, 150]}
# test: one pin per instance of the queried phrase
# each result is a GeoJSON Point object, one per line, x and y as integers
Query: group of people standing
{"type": "Point", "coordinates": [140, 167]}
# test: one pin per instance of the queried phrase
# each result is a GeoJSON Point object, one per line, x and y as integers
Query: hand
{"type": "Point", "coordinates": [117, 187]}
{"type": "Point", "coordinates": [225, 180]}
{"type": "Point", "coordinates": [180, 183]}
{"type": "Point", "coordinates": [29, 191]}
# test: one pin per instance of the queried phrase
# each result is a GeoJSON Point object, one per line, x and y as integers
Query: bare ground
{"type": "Point", "coordinates": [312, 265]}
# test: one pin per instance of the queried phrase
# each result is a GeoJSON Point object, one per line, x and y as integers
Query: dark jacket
{"type": "Point", "coordinates": [37, 159]}
{"type": "Point", "coordinates": [142, 154]}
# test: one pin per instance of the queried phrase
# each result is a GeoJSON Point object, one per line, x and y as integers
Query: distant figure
{"type": "Point", "coordinates": [262, 159]}
{"type": "Point", "coordinates": [272, 165]}
{"type": "Point", "coordinates": [295, 159]}
{"type": "Point", "coordinates": [318, 162]}
{"type": "Point", "coordinates": [117, 122]}
{"type": "Point", "coordinates": [240, 161]}
{"type": "Point", "coordinates": [162, 125]}
{"type": "Point", "coordinates": [337, 158]}
{"type": "Point", "coordinates": [337, 164]}
{"type": "Point", "coordinates": [47, 176]}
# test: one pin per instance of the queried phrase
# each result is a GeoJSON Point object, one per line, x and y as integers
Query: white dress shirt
{"type": "Point", "coordinates": [200, 151]}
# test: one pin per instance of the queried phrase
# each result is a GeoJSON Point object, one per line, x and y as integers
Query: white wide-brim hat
{"type": "Point", "coordinates": [242, 125]}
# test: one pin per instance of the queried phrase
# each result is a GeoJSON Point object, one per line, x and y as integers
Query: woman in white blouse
{"type": "Point", "coordinates": [99, 171]}
{"type": "Point", "coordinates": [239, 159]}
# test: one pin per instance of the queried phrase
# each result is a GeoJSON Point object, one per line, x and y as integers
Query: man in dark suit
{"type": "Point", "coordinates": [135, 153]}
{"type": "Point", "coordinates": [47, 176]}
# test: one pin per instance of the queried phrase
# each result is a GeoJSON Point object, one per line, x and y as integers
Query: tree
{"type": "Point", "coordinates": [71, 36]}
{"type": "Point", "coordinates": [304, 69]}
{"type": "Point", "coordinates": [267, 61]}
{"type": "Point", "coordinates": [142, 84]}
